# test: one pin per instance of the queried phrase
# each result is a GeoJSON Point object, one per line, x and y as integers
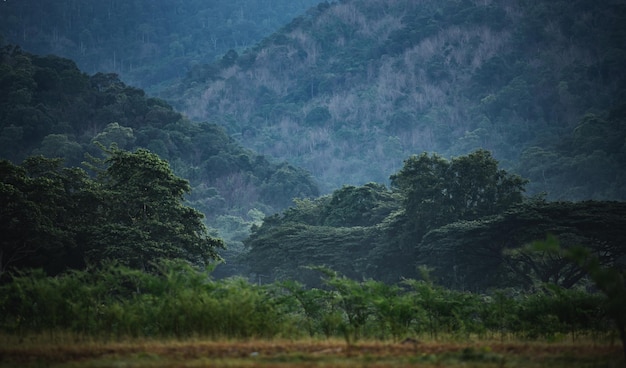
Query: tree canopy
{"type": "Point", "coordinates": [372, 231]}
{"type": "Point", "coordinates": [144, 217]}
{"type": "Point", "coordinates": [439, 191]}
{"type": "Point", "coordinates": [49, 107]}
{"type": "Point", "coordinates": [133, 213]}
{"type": "Point", "coordinates": [489, 252]}
{"type": "Point", "coordinates": [351, 88]}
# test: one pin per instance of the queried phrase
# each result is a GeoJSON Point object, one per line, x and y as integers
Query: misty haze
{"type": "Point", "coordinates": [288, 182]}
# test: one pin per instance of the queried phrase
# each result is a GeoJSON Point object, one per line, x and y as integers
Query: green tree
{"type": "Point", "coordinates": [366, 205]}
{"type": "Point", "coordinates": [311, 301]}
{"type": "Point", "coordinates": [143, 216]}
{"type": "Point", "coordinates": [42, 205]}
{"type": "Point", "coordinates": [353, 298]}
{"type": "Point", "coordinates": [608, 278]}
{"type": "Point", "coordinates": [489, 252]}
{"type": "Point", "coordinates": [439, 192]}
{"type": "Point", "coordinates": [123, 137]}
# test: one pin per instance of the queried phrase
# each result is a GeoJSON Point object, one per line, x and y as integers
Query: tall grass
{"type": "Point", "coordinates": [118, 302]}
{"type": "Point", "coordinates": [114, 302]}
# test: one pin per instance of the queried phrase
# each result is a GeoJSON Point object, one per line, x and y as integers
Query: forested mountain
{"type": "Point", "coordinates": [49, 107]}
{"type": "Point", "coordinates": [148, 43]}
{"type": "Point", "coordinates": [351, 88]}
{"type": "Point", "coordinates": [491, 92]}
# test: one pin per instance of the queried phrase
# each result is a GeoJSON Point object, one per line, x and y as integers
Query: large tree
{"type": "Point", "coordinates": [439, 191]}
{"type": "Point", "coordinates": [436, 192]}
{"type": "Point", "coordinates": [369, 231]}
{"type": "Point", "coordinates": [143, 214]}
{"type": "Point", "coordinates": [133, 213]}
{"type": "Point", "coordinates": [43, 207]}
{"type": "Point", "coordinates": [490, 252]}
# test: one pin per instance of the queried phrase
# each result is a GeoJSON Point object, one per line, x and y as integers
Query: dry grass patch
{"type": "Point", "coordinates": [65, 352]}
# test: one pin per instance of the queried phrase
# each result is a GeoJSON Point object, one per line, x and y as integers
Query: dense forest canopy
{"type": "Point", "coordinates": [49, 107]}
{"type": "Point", "coordinates": [470, 154]}
{"type": "Point", "coordinates": [506, 100]}
{"type": "Point", "coordinates": [150, 43]}
{"type": "Point", "coordinates": [351, 88]}
{"type": "Point", "coordinates": [465, 219]}
{"type": "Point", "coordinates": [58, 218]}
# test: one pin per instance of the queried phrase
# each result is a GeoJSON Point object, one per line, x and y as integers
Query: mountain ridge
{"type": "Point", "coordinates": [148, 43]}
{"type": "Point", "coordinates": [351, 88]}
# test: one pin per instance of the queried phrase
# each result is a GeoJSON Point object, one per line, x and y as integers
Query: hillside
{"type": "Point", "coordinates": [149, 43]}
{"type": "Point", "coordinates": [350, 89]}
{"type": "Point", "coordinates": [49, 107]}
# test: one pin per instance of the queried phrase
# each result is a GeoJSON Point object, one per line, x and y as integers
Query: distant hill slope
{"type": "Point", "coordinates": [147, 42]}
{"type": "Point", "coordinates": [49, 107]}
{"type": "Point", "coordinates": [352, 88]}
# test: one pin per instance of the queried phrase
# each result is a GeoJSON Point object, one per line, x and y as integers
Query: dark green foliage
{"type": "Point", "coordinates": [366, 205]}
{"type": "Point", "coordinates": [143, 216]}
{"type": "Point", "coordinates": [339, 231]}
{"type": "Point", "coordinates": [465, 218]}
{"type": "Point", "coordinates": [283, 251]}
{"type": "Point", "coordinates": [61, 112]}
{"type": "Point", "coordinates": [370, 231]}
{"type": "Point", "coordinates": [115, 302]}
{"type": "Point", "coordinates": [439, 192]}
{"type": "Point", "coordinates": [58, 218]}
{"type": "Point", "coordinates": [44, 207]}
{"type": "Point", "coordinates": [286, 183]}
{"type": "Point", "coordinates": [607, 277]}
{"type": "Point", "coordinates": [489, 252]}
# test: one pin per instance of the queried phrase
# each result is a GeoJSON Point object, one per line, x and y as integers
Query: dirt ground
{"type": "Point", "coordinates": [196, 353]}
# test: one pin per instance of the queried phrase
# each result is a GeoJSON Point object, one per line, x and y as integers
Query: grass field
{"type": "Point", "coordinates": [36, 352]}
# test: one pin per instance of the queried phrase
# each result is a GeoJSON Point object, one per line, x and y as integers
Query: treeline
{"type": "Point", "coordinates": [115, 302]}
{"type": "Point", "coordinates": [466, 219]}
{"type": "Point", "coordinates": [49, 107]}
{"type": "Point", "coordinates": [149, 43]}
{"type": "Point", "coordinates": [57, 219]}
{"type": "Point", "coordinates": [350, 88]}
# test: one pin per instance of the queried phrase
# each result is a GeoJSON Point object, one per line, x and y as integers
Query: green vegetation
{"type": "Point", "coordinates": [609, 280]}
{"type": "Point", "coordinates": [490, 251]}
{"type": "Point", "coordinates": [464, 218]}
{"type": "Point", "coordinates": [49, 107]}
{"type": "Point", "coordinates": [114, 313]}
{"type": "Point", "coordinates": [113, 203]}
{"type": "Point", "coordinates": [145, 252]}
{"type": "Point", "coordinates": [149, 43]}
{"type": "Point", "coordinates": [113, 302]}
{"type": "Point", "coordinates": [58, 218]}
{"type": "Point", "coordinates": [351, 88]}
